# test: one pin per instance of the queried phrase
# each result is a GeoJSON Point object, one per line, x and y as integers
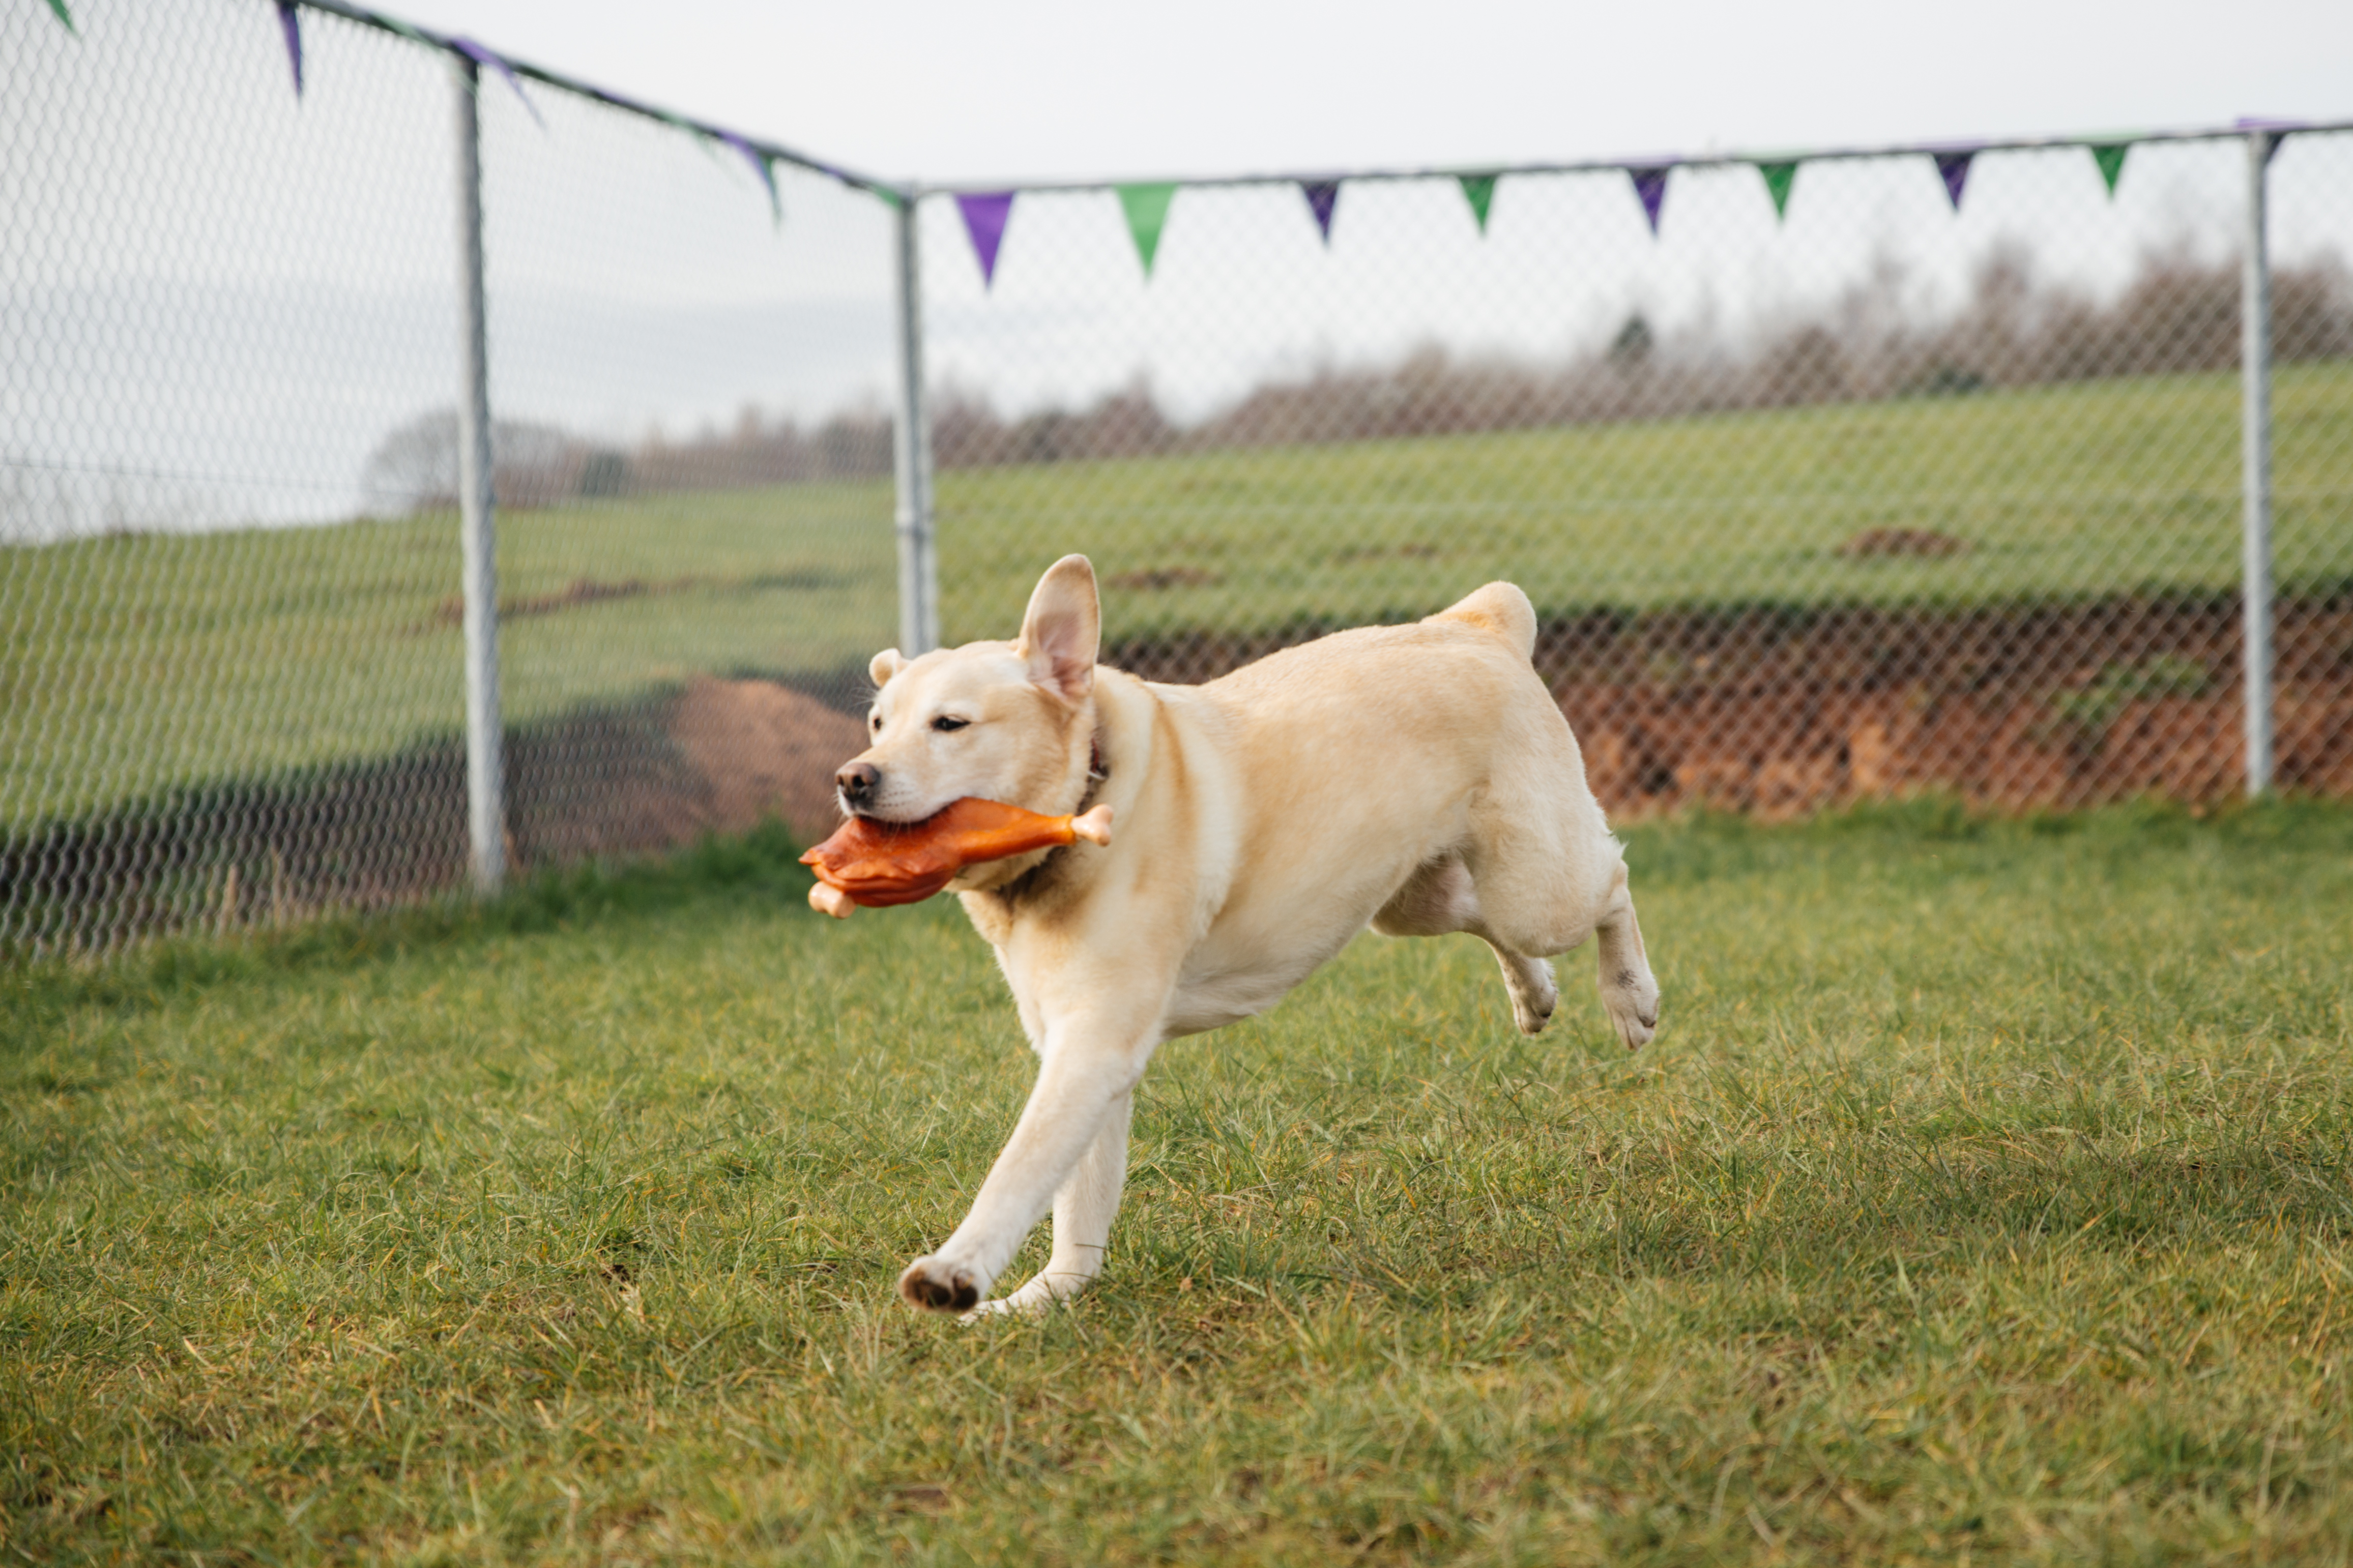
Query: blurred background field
{"type": "Point", "coordinates": [1836, 476]}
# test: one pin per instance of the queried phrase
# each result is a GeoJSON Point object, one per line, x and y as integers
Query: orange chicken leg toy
{"type": "Point", "coordinates": [883, 863]}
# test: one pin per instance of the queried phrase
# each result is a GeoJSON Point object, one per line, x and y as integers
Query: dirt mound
{"type": "Point", "coordinates": [761, 749]}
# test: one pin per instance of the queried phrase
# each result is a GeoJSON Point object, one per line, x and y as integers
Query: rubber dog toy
{"type": "Point", "coordinates": [879, 863]}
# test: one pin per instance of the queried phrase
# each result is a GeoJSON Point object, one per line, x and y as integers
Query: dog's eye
{"type": "Point", "coordinates": [874, 721]}
{"type": "Point", "coordinates": [947, 724]}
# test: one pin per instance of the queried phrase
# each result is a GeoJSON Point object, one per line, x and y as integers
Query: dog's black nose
{"type": "Point", "coordinates": [859, 781]}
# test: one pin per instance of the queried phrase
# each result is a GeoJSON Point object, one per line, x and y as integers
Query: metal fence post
{"type": "Point", "coordinates": [919, 580]}
{"type": "Point", "coordinates": [2256, 566]}
{"type": "Point", "coordinates": [485, 780]}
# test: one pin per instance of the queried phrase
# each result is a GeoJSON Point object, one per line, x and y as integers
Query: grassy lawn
{"type": "Point", "coordinates": [130, 666]}
{"type": "Point", "coordinates": [1985, 1199]}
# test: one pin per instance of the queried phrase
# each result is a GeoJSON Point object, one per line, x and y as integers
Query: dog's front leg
{"type": "Point", "coordinates": [1085, 1207]}
{"type": "Point", "coordinates": [1069, 1149]}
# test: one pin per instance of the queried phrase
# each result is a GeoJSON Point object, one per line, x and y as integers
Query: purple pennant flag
{"type": "Point", "coordinates": [290, 23]}
{"type": "Point", "coordinates": [1954, 169]}
{"type": "Point", "coordinates": [759, 167]}
{"type": "Point", "coordinates": [984, 218]}
{"type": "Point", "coordinates": [483, 56]}
{"type": "Point", "coordinates": [1323, 200]}
{"type": "Point", "coordinates": [1650, 186]}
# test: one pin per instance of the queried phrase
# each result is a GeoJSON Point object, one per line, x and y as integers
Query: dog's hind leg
{"type": "Point", "coordinates": [1629, 990]}
{"type": "Point", "coordinates": [1085, 1207]}
{"type": "Point", "coordinates": [1439, 900]}
{"type": "Point", "coordinates": [1529, 980]}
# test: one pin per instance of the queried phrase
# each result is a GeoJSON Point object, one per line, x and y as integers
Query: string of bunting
{"type": "Point", "coordinates": [1145, 206]}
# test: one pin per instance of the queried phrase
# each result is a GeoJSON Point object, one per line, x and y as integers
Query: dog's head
{"type": "Point", "coordinates": [1009, 721]}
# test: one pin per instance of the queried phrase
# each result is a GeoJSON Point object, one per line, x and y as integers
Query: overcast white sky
{"type": "Point", "coordinates": [948, 90]}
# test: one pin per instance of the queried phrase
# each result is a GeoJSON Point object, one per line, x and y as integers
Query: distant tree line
{"type": "Point", "coordinates": [1877, 339]}
{"type": "Point", "coordinates": [414, 469]}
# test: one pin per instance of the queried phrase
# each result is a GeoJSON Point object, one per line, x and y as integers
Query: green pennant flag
{"type": "Point", "coordinates": [1478, 190]}
{"type": "Point", "coordinates": [1146, 207]}
{"type": "Point", "coordinates": [1780, 180]}
{"type": "Point", "coordinates": [2110, 157]}
{"type": "Point", "coordinates": [65, 15]}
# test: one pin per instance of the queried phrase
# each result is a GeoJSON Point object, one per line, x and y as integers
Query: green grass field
{"type": "Point", "coordinates": [130, 666]}
{"type": "Point", "coordinates": [1986, 1199]}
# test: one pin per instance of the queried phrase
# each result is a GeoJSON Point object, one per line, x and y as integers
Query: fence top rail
{"type": "Point", "coordinates": [2277, 129]}
{"type": "Point", "coordinates": [460, 47]}
{"type": "Point", "coordinates": [897, 190]}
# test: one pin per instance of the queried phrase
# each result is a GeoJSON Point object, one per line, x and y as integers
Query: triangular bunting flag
{"type": "Point", "coordinates": [483, 56]}
{"type": "Point", "coordinates": [761, 167]}
{"type": "Point", "coordinates": [1780, 180]}
{"type": "Point", "coordinates": [1953, 168]}
{"type": "Point", "coordinates": [1478, 190]}
{"type": "Point", "coordinates": [65, 15]}
{"type": "Point", "coordinates": [1146, 207]}
{"type": "Point", "coordinates": [984, 218]}
{"type": "Point", "coordinates": [290, 23]}
{"type": "Point", "coordinates": [1323, 199]}
{"type": "Point", "coordinates": [2110, 157]}
{"type": "Point", "coordinates": [1651, 187]}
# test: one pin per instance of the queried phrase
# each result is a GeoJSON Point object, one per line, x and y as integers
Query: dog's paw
{"type": "Point", "coordinates": [1026, 1302]}
{"type": "Point", "coordinates": [1534, 1001]}
{"type": "Point", "coordinates": [935, 1285]}
{"type": "Point", "coordinates": [1633, 1007]}
{"type": "Point", "coordinates": [1033, 1300]}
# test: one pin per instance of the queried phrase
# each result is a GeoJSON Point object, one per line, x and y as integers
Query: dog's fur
{"type": "Point", "coordinates": [1418, 778]}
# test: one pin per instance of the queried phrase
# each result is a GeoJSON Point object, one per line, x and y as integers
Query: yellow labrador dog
{"type": "Point", "coordinates": [1418, 778]}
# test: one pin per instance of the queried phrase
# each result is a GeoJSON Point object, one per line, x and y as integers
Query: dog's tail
{"type": "Point", "coordinates": [1500, 608]}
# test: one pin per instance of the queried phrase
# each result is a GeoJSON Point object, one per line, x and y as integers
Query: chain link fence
{"type": "Point", "coordinates": [1874, 494]}
{"type": "Point", "coordinates": [1836, 497]}
{"type": "Point", "coordinates": [233, 686]}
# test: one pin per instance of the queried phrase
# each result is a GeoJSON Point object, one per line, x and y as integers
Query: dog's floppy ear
{"type": "Point", "coordinates": [886, 664]}
{"type": "Point", "coordinates": [1063, 627]}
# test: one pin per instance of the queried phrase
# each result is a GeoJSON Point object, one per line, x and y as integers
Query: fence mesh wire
{"type": "Point", "coordinates": [232, 684]}
{"type": "Point", "coordinates": [1865, 497]}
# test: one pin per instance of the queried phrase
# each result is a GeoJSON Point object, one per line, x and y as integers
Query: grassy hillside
{"type": "Point", "coordinates": [1984, 1199]}
{"type": "Point", "coordinates": [129, 664]}
{"type": "Point", "coordinates": [2096, 488]}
